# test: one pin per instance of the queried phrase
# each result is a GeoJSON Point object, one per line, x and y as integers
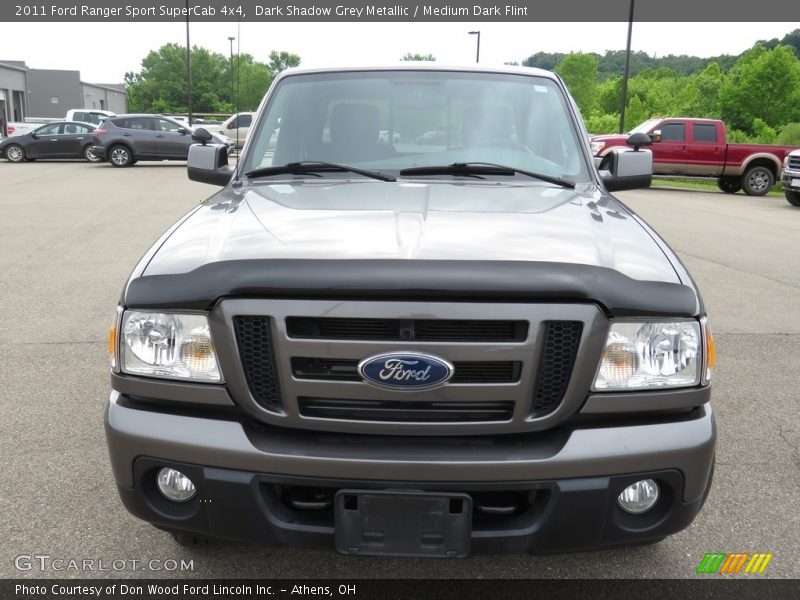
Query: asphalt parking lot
{"type": "Point", "coordinates": [71, 233]}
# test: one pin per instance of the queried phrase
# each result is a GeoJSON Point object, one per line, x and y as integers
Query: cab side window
{"type": "Point", "coordinates": [673, 132]}
{"type": "Point", "coordinates": [242, 121]}
{"type": "Point", "coordinates": [704, 132]}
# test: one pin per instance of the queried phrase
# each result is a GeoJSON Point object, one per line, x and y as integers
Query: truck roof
{"type": "Point", "coordinates": [426, 66]}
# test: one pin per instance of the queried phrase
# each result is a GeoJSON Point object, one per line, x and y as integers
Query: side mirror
{"type": "Point", "coordinates": [637, 140]}
{"type": "Point", "coordinates": [183, 131]}
{"type": "Point", "coordinates": [201, 135]}
{"type": "Point", "coordinates": [231, 125]}
{"type": "Point", "coordinates": [209, 164]}
{"type": "Point", "coordinates": [626, 169]}
{"type": "Point", "coordinates": [34, 135]}
{"type": "Point", "coordinates": [655, 136]}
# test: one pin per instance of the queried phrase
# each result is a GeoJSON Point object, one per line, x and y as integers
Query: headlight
{"type": "Point", "coordinates": [651, 354]}
{"type": "Point", "coordinates": [597, 147]}
{"type": "Point", "coordinates": [176, 346]}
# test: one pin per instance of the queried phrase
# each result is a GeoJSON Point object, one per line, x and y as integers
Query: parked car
{"type": "Point", "coordinates": [434, 352]}
{"type": "Point", "coordinates": [436, 137]}
{"type": "Point", "coordinates": [16, 128]}
{"type": "Point", "coordinates": [235, 127]}
{"type": "Point", "coordinates": [64, 139]}
{"type": "Point", "coordinates": [791, 178]}
{"type": "Point", "coordinates": [698, 147]}
{"type": "Point", "coordinates": [388, 137]}
{"type": "Point", "coordinates": [86, 115]}
{"type": "Point", "coordinates": [125, 139]}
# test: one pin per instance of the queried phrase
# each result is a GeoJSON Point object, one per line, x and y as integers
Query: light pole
{"type": "Point", "coordinates": [233, 94]}
{"type": "Point", "coordinates": [188, 67]}
{"type": "Point", "coordinates": [478, 51]}
{"type": "Point", "coordinates": [627, 71]}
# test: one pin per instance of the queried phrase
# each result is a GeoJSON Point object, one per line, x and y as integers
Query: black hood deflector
{"type": "Point", "coordinates": [419, 280]}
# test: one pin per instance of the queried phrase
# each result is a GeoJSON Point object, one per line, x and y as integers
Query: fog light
{"type": "Point", "coordinates": [174, 485]}
{"type": "Point", "coordinates": [639, 497]}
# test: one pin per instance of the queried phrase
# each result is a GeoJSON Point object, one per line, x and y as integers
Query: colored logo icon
{"type": "Point", "coordinates": [736, 562]}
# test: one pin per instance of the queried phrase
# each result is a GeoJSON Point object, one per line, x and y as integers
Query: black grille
{"type": "Point", "coordinates": [464, 371]}
{"type": "Point", "coordinates": [409, 411]}
{"type": "Point", "coordinates": [794, 163]}
{"type": "Point", "coordinates": [555, 367]}
{"type": "Point", "coordinates": [406, 329]}
{"type": "Point", "coordinates": [258, 360]}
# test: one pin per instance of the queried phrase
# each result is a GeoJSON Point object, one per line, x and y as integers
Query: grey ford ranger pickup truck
{"type": "Point", "coordinates": [413, 322]}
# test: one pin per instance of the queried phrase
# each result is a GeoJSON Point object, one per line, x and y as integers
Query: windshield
{"type": "Point", "coordinates": [644, 127]}
{"type": "Point", "coordinates": [393, 120]}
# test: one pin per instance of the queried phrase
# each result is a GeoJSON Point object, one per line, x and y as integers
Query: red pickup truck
{"type": "Point", "coordinates": [699, 148]}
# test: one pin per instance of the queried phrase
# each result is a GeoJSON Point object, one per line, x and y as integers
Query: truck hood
{"type": "Point", "coordinates": [417, 241]}
{"type": "Point", "coordinates": [616, 139]}
{"type": "Point", "coordinates": [368, 220]}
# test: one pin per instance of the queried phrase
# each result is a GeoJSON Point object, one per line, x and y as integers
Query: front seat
{"type": "Point", "coordinates": [354, 130]}
{"type": "Point", "coordinates": [483, 126]}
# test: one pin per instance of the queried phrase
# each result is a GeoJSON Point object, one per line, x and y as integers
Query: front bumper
{"type": "Point", "coordinates": [567, 479]}
{"type": "Point", "coordinates": [790, 180]}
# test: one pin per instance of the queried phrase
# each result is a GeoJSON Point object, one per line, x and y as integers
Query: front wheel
{"type": "Point", "coordinates": [757, 181]}
{"type": "Point", "coordinates": [15, 153]}
{"type": "Point", "coordinates": [729, 185]}
{"type": "Point", "coordinates": [120, 156]}
{"type": "Point", "coordinates": [88, 155]}
{"type": "Point", "coordinates": [792, 197]}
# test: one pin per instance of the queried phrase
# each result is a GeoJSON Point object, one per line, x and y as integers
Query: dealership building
{"type": "Point", "coordinates": [50, 93]}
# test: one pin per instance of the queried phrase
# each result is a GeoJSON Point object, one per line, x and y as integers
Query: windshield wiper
{"type": "Point", "coordinates": [483, 168]}
{"type": "Point", "coordinates": [311, 167]}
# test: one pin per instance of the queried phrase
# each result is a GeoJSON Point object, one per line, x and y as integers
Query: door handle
{"type": "Point", "coordinates": [53, 140]}
{"type": "Point", "coordinates": [159, 136]}
{"type": "Point", "coordinates": [126, 135]}
{"type": "Point", "coordinates": [80, 138]}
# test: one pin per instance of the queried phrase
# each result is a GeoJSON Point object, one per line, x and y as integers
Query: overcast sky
{"type": "Point", "coordinates": [103, 52]}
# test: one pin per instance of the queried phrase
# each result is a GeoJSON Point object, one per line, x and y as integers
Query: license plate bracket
{"type": "Point", "coordinates": [403, 523]}
{"type": "Point", "coordinates": [796, 183]}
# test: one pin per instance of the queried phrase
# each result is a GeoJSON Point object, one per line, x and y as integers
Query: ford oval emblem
{"type": "Point", "coordinates": [405, 371]}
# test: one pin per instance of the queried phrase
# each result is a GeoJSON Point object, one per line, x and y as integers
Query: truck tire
{"type": "Point", "coordinates": [757, 181]}
{"type": "Point", "coordinates": [729, 185]}
{"type": "Point", "coordinates": [792, 197]}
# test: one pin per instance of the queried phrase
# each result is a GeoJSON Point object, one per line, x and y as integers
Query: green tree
{"type": "Point", "coordinates": [763, 84]}
{"type": "Point", "coordinates": [763, 133]}
{"type": "Point", "coordinates": [416, 56]}
{"type": "Point", "coordinates": [702, 93]}
{"type": "Point", "coordinates": [219, 85]}
{"type": "Point", "coordinates": [599, 122]}
{"type": "Point", "coordinates": [579, 72]}
{"type": "Point", "coordinates": [280, 61]}
{"type": "Point", "coordinates": [251, 80]}
{"type": "Point", "coordinates": [161, 85]}
{"type": "Point", "coordinates": [789, 135]}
